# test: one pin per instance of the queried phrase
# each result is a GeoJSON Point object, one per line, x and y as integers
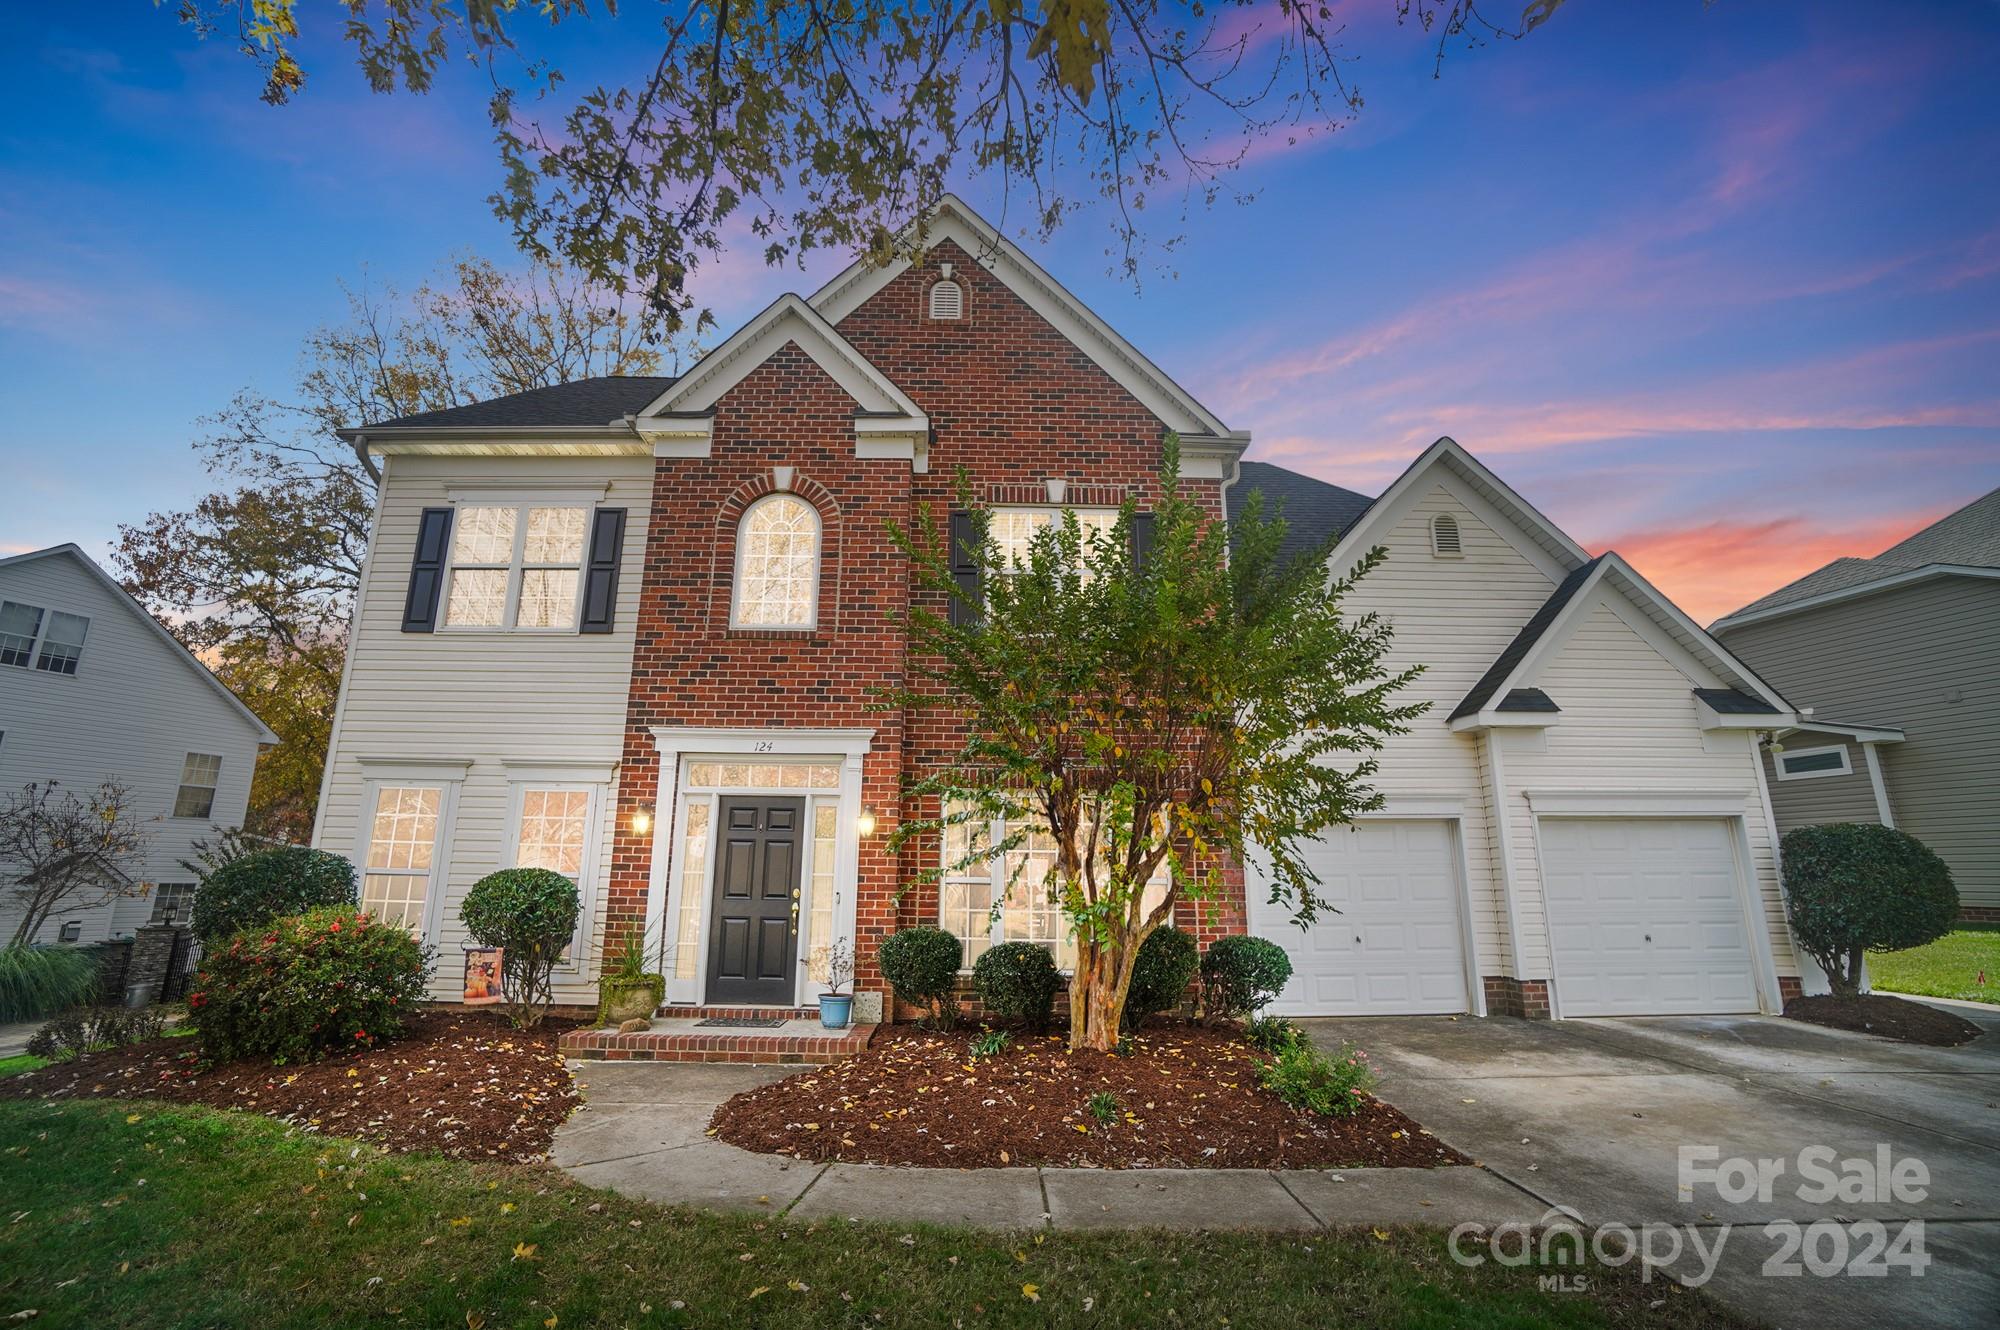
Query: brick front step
{"type": "Point", "coordinates": [738, 1013]}
{"type": "Point", "coordinates": [681, 1041]}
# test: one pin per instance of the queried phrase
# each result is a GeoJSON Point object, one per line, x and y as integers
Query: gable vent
{"type": "Point", "coordinates": [1444, 537]}
{"type": "Point", "coordinates": [947, 300]}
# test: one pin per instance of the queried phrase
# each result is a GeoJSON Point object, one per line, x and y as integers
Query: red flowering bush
{"type": "Point", "coordinates": [302, 985]}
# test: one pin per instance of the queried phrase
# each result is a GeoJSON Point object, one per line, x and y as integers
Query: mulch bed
{"type": "Point", "coordinates": [462, 1084]}
{"type": "Point", "coordinates": [1188, 1096]}
{"type": "Point", "coordinates": [1890, 1017]}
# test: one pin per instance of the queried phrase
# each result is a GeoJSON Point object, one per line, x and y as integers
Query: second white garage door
{"type": "Point", "coordinates": [1645, 918]}
{"type": "Point", "coordinates": [1396, 946]}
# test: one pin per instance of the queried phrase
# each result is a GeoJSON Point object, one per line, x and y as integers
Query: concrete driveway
{"type": "Point", "coordinates": [1593, 1115]}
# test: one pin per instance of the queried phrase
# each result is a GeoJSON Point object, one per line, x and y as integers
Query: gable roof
{"type": "Point", "coordinates": [594, 401]}
{"type": "Point", "coordinates": [1313, 510]}
{"type": "Point", "coordinates": [1967, 541]}
{"type": "Point", "coordinates": [1516, 651]}
{"type": "Point", "coordinates": [124, 597]}
{"type": "Point", "coordinates": [952, 219]}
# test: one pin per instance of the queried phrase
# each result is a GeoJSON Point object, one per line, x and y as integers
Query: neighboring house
{"type": "Point", "coordinates": [92, 688]}
{"type": "Point", "coordinates": [630, 629]}
{"type": "Point", "coordinates": [1899, 656]}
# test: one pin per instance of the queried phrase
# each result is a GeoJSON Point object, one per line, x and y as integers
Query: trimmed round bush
{"type": "Point", "coordinates": [1240, 975]}
{"type": "Point", "coordinates": [921, 964]}
{"type": "Point", "coordinates": [1167, 961]}
{"type": "Point", "coordinates": [1855, 888]}
{"type": "Point", "coordinates": [1017, 980]}
{"type": "Point", "coordinates": [260, 886]}
{"type": "Point", "coordinates": [297, 987]}
{"type": "Point", "coordinates": [530, 914]}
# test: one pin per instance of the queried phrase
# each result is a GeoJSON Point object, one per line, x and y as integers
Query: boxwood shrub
{"type": "Point", "coordinates": [1018, 980]}
{"type": "Point", "coordinates": [254, 888]}
{"type": "Point", "coordinates": [1167, 961]}
{"type": "Point", "coordinates": [921, 964]}
{"type": "Point", "coordinates": [297, 987]}
{"type": "Point", "coordinates": [1240, 975]}
{"type": "Point", "coordinates": [530, 914]}
{"type": "Point", "coordinates": [1855, 888]}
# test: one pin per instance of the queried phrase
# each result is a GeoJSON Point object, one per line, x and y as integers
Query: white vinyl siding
{"type": "Point", "coordinates": [500, 702]}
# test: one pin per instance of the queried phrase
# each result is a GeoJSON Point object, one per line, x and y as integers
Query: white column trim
{"type": "Point", "coordinates": [1874, 761]}
{"type": "Point", "coordinates": [1509, 880]}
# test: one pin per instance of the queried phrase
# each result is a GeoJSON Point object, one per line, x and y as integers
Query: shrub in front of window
{"type": "Point", "coordinates": [307, 984]}
{"type": "Point", "coordinates": [1165, 967]}
{"type": "Point", "coordinates": [1854, 888]}
{"type": "Point", "coordinates": [1306, 1078]}
{"type": "Point", "coordinates": [1240, 975]}
{"type": "Point", "coordinates": [921, 964]}
{"type": "Point", "coordinates": [530, 914]}
{"type": "Point", "coordinates": [1017, 981]}
{"type": "Point", "coordinates": [255, 888]}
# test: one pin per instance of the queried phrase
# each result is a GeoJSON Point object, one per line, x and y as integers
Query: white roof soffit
{"type": "Point", "coordinates": [953, 220]}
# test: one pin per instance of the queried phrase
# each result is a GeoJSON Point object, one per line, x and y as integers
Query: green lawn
{"type": "Point", "coordinates": [137, 1214]}
{"type": "Point", "coordinates": [21, 1062]}
{"type": "Point", "coordinates": [1948, 967]}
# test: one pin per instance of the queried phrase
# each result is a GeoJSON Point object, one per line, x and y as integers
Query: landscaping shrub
{"type": "Point", "coordinates": [85, 1028]}
{"type": "Point", "coordinates": [252, 889]}
{"type": "Point", "coordinates": [37, 980]}
{"type": "Point", "coordinates": [1166, 964]}
{"type": "Point", "coordinates": [992, 1044]}
{"type": "Point", "coordinates": [1856, 888]}
{"type": "Point", "coordinates": [1018, 980]}
{"type": "Point", "coordinates": [1306, 1078]}
{"type": "Point", "coordinates": [1272, 1034]}
{"type": "Point", "coordinates": [530, 914]}
{"type": "Point", "coordinates": [921, 964]}
{"type": "Point", "coordinates": [301, 985]}
{"type": "Point", "coordinates": [1240, 975]}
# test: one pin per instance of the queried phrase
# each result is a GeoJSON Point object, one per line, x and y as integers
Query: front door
{"type": "Point", "coordinates": [754, 923]}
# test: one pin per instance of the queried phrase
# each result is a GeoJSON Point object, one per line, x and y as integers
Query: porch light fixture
{"type": "Point", "coordinates": [865, 823]}
{"type": "Point", "coordinates": [642, 820]}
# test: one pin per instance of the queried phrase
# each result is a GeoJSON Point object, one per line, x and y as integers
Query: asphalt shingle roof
{"type": "Point", "coordinates": [1312, 509]}
{"type": "Point", "coordinates": [1527, 699]}
{"type": "Point", "coordinates": [597, 401]}
{"type": "Point", "coordinates": [1735, 702]}
{"type": "Point", "coordinates": [1970, 536]}
{"type": "Point", "coordinates": [1524, 641]}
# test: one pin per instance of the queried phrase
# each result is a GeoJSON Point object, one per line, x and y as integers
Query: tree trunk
{"type": "Point", "coordinates": [1843, 972]}
{"type": "Point", "coordinates": [1097, 993]}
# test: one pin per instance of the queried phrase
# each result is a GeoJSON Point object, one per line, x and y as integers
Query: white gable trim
{"type": "Point", "coordinates": [124, 597]}
{"type": "Point", "coordinates": [1669, 616]}
{"type": "Point", "coordinates": [1887, 582]}
{"type": "Point", "coordinates": [952, 220]}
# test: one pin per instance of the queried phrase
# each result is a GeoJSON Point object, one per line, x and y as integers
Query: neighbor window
{"type": "Point", "coordinates": [402, 843]}
{"type": "Point", "coordinates": [200, 774]}
{"type": "Point", "coordinates": [71, 931]}
{"type": "Point", "coordinates": [777, 564]}
{"type": "Point", "coordinates": [62, 644]}
{"type": "Point", "coordinates": [1804, 763]}
{"type": "Point", "coordinates": [171, 902]}
{"type": "Point", "coordinates": [1030, 910]}
{"type": "Point", "coordinates": [516, 567]}
{"type": "Point", "coordinates": [20, 625]}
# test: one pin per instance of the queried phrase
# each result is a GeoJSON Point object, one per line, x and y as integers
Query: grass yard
{"type": "Point", "coordinates": [21, 1062]}
{"type": "Point", "coordinates": [141, 1214]}
{"type": "Point", "coordinates": [1948, 967]}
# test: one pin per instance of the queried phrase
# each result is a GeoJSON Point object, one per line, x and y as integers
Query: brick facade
{"type": "Point", "coordinates": [1013, 403]}
{"type": "Point", "coordinates": [1524, 999]}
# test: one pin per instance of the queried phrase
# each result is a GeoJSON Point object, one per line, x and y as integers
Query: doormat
{"type": "Point", "coordinates": [744, 1022]}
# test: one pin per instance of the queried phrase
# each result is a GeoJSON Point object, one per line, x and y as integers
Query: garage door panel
{"type": "Point", "coordinates": [1645, 918]}
{"type": "Point", "coordinates": [1396, 945]}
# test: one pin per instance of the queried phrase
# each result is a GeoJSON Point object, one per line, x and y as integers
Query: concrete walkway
{"type": "Point", "coordinates": [642, 1132]}
{"type": "Point", "coordinates": [14, 1037]}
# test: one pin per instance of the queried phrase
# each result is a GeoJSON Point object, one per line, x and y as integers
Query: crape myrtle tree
{"type": "Point", "coordinates": [1159, 705]}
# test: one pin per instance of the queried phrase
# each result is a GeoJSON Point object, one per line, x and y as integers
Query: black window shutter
{"type": "Point", "coordinates": [965, 569]}
{"type": "Point", "coordinates": [600, 577]}
{"type": "Point", "coordinates": [420, 609]}
{"type": "Point", "coordinates": [1142, 541]}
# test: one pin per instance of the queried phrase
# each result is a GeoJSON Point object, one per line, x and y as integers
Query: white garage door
{"type": "Point", "coordinates": [1396, 946]}
{"type": "Point", "coordinates": [1645, 918]}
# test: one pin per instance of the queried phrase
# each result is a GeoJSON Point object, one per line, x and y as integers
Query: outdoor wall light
{"type": "Point", "coordinates": [642, 820]}
{"type": "Point", "coordinates": [865, 824]}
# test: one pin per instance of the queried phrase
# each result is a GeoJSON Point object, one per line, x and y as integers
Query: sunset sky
{"type": "Point", "coordinates": [1717, 286]}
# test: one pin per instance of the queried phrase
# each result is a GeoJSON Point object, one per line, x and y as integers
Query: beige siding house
{"type": "Point", "coordinates": [1899, 658]}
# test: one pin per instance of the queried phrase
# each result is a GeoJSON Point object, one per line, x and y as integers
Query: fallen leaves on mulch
{"type": "Point", "coordinates": [1187, 1098]}
{"type": "Point", "coordinates": [462, 1084]}
{"type": "Point", "coordinates": [1890, 1017]}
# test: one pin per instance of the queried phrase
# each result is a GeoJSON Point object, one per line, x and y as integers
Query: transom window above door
{"type": "Point", "coordinates": [777, 564]}
{"type": "Point", "coordinates": [516, 566]}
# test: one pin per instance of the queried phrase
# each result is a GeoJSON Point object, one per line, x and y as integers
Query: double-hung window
{"type": "Point", "coordinates": [50, 640]}
{"type": "Point", "coordinates": [1013, 529]}
{"type": "Point", "coordinates": [402, 849]}
{"type": "Point", "coordinates": [516, 566]}
{"type": "Point", "coordinates": [200, 774]}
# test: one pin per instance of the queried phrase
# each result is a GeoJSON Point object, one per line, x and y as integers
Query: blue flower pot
{"type": "Point", "coordinates": [836, 1010]}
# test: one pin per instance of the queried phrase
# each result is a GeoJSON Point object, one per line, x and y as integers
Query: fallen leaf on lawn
{"type": "Point", "coordinates": [474, 1321]}
{"type": "Point", "coordinates": [759, 1291]}
{"type": "Point", "coordinates": [129, 1118]}
{"type": "Point", "coordinates": [1380, 1235]}
{"type": "Point", "coordinates": [1031, 1292]}
{"type": "Point", "coordinates": [461, 1221]}
{"type": "Point", "coordinates": [549, 1324]}
{"type": "Point", "coordinates": [506, 1207]}
{"type": "Point", "coordinates": [797, 1287]}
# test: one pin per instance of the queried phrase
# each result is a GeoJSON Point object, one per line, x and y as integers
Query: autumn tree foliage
{"type": "Point", "coordinates": [1159, 714]}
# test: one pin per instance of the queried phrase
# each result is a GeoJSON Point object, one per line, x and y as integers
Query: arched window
{"type": "Point", "coordinates": [947, 300]}
{"type": "Point", "coordinates": [1444, 537]}
{"type": "Point", "coordinates": [777, 564]}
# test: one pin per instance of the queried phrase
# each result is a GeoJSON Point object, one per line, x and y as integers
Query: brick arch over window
{"type": "Point", "coordinates": [728, 529]}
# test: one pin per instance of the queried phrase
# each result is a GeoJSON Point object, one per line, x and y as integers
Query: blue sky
{"type": "Point", "coordinates": [1717, 286]}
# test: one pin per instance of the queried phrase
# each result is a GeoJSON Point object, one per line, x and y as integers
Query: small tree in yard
{"type": "Point", "coordinates": [1856, 888]}
{"type": "Point", "coordinates": [1155, 712]}
{"type": "Point", "coordinates": [530, 914]}
{"type": "Point", "coordinates": [59, 851]}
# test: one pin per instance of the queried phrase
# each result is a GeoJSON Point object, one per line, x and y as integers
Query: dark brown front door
{"type": "Point", "coordinates": [754, 925]}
